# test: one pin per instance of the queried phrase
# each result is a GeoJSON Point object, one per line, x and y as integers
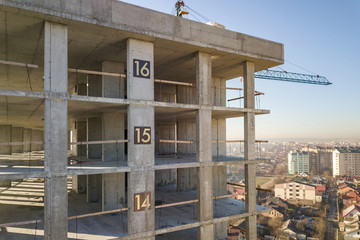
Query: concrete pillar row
{"type": "Point", "coordinates": [204, 144]}
{"type": "Point", "coordinates": [249, 135]}
{"type": "Point", "coordinates": [110, 188]}
{"type": "Point", "coordinates": [140, 86]}
{"type": "Point", "coordinates": [55, 118]}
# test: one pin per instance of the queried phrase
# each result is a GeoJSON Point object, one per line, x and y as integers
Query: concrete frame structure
{"type": "Point", "coordinates": [109, 36]}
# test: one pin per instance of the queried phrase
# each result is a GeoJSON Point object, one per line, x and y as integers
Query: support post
{"type": "Point", "coordinates": [141, 127]}
{"type": "Point", "coordinates": [55, 81]}
{"type": "Point", "coordinates": [5, 136]}
{"type": "Point", "coordinates": [249, 135]}
{"type": "Point", "coordinates": [17, 136]}
{"type": "Point", "coordinates": [203, 144]}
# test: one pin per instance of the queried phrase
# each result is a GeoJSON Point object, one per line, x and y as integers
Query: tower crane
{"type": "Point", "coordinates": [264, 74]}
{"type": "Point", "coordinates": [292, 77]}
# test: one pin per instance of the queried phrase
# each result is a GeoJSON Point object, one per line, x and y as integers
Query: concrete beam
{"type": "Point", "coordinates": [249, 135]}
{"type": "Point", "coordinates": [55, 118]}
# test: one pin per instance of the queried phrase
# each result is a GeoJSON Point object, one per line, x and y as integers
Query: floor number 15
{"type": "Point", "coordinates": [142, 135]}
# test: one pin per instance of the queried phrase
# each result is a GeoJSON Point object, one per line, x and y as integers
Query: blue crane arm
{"type": "Point", "coordinates": [292, 77]}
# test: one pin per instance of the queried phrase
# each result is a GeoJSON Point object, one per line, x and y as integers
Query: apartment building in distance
{"type": "Point", "coordinates": [298, 162]}
{"type": "Point", "coordinates": [320, 159]}
{"type": "Point", "coordinates": [297, 191]}
{"type": "Point", "coordinates": [346, 161]}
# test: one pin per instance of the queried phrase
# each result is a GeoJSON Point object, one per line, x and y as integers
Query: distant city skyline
{"type": "Point", "coordinates": [321, 37]}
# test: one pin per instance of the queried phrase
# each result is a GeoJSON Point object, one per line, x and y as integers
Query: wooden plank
{"type": "Point", "coordinates": [173, 82]}
{"type": "Point", "coordinates": [99, 142]}
{"type": "Point", "coordinates": [175, 141]}
{"type": "Point", "coordinates": [96, 72]}
{"type": "Point", "coordinates": [231, 141]}
{"type": "Point", "coordinates": [19, 64]}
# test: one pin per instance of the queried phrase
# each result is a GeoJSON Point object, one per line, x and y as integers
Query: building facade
{"type": "Point", "coordinates": [346, 161]}
{"type": "Point", "coordinates": [298, 162]}
{"type": "Point", "coordinates": [297, 191]}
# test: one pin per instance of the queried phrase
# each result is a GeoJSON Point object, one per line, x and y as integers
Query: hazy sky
{"type": "Point", "coordinates": [320, 36]}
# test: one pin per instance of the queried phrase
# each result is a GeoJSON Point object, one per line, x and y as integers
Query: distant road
{"type": "Point", "coordinates": [332, 222]}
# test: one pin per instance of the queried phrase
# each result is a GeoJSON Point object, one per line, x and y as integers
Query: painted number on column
{"type": "Point", "coordinates": [142, 201]}
{"type": "Point", "coordinates": [142, 135]}
{"type": "Point", "coordinates": [141, 68]}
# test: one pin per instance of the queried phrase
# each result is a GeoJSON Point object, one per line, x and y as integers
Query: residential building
{"type": "Point", "coordinates": [351, 227]}
{"type": "Point", "coordinates": [297, 191]}
{"type": "Point", "coordinates": [353, 210]}
{"type": "Point", "coordinates": [346, 161]}
{"type": "Point", "coordinates": [320, 159]}
{"type": "Point", "coordinates": [298, 162]}
{"type": "Point", "coordinates": [351, 198]}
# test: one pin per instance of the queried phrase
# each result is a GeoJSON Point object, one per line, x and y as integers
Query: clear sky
{"type": "Point", "coordinates": [320, 36]}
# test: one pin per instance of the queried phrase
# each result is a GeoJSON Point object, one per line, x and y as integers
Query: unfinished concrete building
{"type": "Point", "coordinates": [113, 122]}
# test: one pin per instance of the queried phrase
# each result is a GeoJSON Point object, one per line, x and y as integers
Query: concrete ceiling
{"type": "Point", "coordinates": [22, 40]}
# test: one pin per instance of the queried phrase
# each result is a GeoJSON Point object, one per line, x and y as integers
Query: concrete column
{"type": "Point", "coordinates": [219, 150]}
{"type": "Point", "coordinates": [27, 138]}
{"type": "Point", "coordinates": [113, 129]}
{"type": "Point", "coordinates": [94, 188]}
{"type": "Point", "coordinates": [113, 191]}
{"type": "Point", "coordinates": [17, 136]}
{"type": "Point", "coordinates": [113, 87]}
{"type": "Point", "coordinates": [187, 179]}
{"type": "Point", "coordinates": [113, 185]}
{"type": "Point", "coordinates": [81, 89]}
{"type": "Point", "coordinates": [5, 136]}
{"type": "Point", "coordinates": [79, 184]}
{"type": "Point", "coordinates": [81, 133]}
{"type": "Point", "coordinates": [203, 144]}
{"type": "Point", "coordinates": [42, 138]}
{"type": "Point", "coordinates": [55, 117]}
{"type": "Point", "coordinates": [140, 155]}
{"type": "Point", "coordinates": [95, 86]}
{"type": "Point", "coordinates": [73, 137]}
{"type": "Point", "coordinates": [219, 189]}
{"type": "Point", "coordinates": [249, 135]}
{"type": "Point", "coordinates": [93, 182]}
{"type": "Point", "coordinates": [219, 134]}
{"type": "Point", "coordinates": [94, 133]}
{"type": "Point", "coordinates": [35, 137]}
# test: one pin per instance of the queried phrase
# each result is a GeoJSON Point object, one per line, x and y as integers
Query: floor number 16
{"type": "Point", "coordinates": [141, 68]}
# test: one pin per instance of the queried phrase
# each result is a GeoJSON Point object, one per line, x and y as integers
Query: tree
{"type": "Point", "coordinates": [280, 169]}
{"type": "Point", "coordinates": [320, 228]}
{"type": "Point", "coordinates": [275, 224]}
